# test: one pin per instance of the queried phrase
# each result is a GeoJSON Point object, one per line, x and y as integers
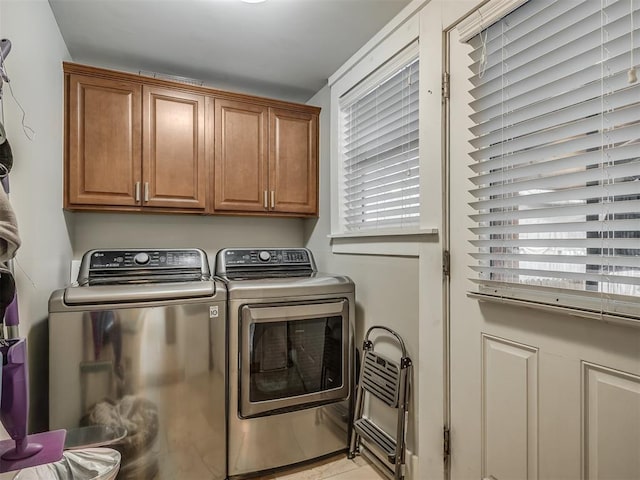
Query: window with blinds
{"type": "Point", "coordinates": [556, 151]}
{"type": "Point", "coordinates": [379, 147]}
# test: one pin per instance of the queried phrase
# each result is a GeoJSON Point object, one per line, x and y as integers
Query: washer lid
{"type": "Point", "coordinates": [138, 293]}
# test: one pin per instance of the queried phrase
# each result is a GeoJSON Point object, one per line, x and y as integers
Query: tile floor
{"type": "Point", "coordinates": [337, 467]}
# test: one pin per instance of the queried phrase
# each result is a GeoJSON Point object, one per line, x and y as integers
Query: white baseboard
{"type": "Point", "coordinates": [412, 466]}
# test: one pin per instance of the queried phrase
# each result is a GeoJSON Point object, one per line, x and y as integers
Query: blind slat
{"type": "Point", "coordinates": [562, 210]}
{"type": "Point", "coordinates": [585, 126]}
{"type": "Point", "coordinates": [404, 222]}
{"type": "Point", "coordinates": [568, 275]}
{"type": "Point", "coordinates": [379, 161]}
{"type": "Point", "coordinates": [380, 152]}
{"type": "Point", "coordinates": [384, 212]}
{"type": "Point", "coordinates": [583, 68]}
{"type": "Point", "coordinates": [612, 243]}
{"type": "Point", "coordinates": [565, 96]}
{"type": "Point", "coordinates": [592, 227]}
{"type": "Point", "coordinates": [558, 113]}
{"type": "Point", "coordinates": [412, 191]}
{"type": "Point", "coordinates": [406, 166]}
{"type": "Point", "coordinates": [556, 180]}
{"type": "Point", "coordinates": [591, 260]}
{"type": "Point", "coordinates": [620, 136]}
{"type": "Point", "coordinates": [570, 195]}
{"type": "Point", "coordinates": [544, 167]}
{"type": "Point", "coordinates": [390, 182]}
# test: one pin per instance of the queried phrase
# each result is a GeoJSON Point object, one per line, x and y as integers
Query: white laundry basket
{"type": "Point", "coordinates": [86, 464]}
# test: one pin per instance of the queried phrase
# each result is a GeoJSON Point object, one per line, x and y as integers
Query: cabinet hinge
{"type": "Point", "coordinates": [446, 263]}
{"type": "Point", "coordinates": [445, 85]}
{"type": "Point", "coordinates": [446, 443]}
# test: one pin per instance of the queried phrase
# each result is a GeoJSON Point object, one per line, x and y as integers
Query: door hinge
{"type": "Point", "coordinates": [446, 263]}
{"type": "Point", "coordinates": [445, 85]}
{"type": "Point", "coordinates": [446, 443]}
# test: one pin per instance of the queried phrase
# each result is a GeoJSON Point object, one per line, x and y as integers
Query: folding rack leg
{"type": "Point", "coordinates": [354, 448]}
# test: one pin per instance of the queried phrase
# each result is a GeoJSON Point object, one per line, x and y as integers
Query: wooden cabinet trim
{"type": "Point", "coordinates": [79, 69]}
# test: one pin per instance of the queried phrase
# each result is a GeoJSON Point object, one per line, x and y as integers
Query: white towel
{"type": "Point", "coordinates": [9, 238]}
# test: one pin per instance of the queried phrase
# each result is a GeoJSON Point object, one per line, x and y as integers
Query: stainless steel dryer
{"type": "Point", "coordinates": [138, 345]}
{"type": "Point", "coordinates": [290, 358]}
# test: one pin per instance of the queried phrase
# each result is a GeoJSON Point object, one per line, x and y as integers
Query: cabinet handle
{"type": "Point", "coordinates": [273, 199]}
{"type": "Point", "coordinates": [146, 191]}
{"type": "Point", "coordinates": [266, 201]}
{"type": "Point", "coordinates": [137, 192]}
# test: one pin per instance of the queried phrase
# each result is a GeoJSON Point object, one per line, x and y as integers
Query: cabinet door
{"type": "Point", "coordinates": [174, 168]}
{"type": "Point", "coordinates": [104, 135]}
{"type": "Point", "coordinates": [293, 162]}
{"type": "Point", "coordinates": [240, 158]}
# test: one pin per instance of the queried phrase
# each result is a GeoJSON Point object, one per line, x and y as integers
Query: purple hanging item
{"type": "Point", "coordinates": [22, 450]}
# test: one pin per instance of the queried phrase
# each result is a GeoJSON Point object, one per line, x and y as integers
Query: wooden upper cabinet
{"type": "Point", "coordinates": [174, 166]}
{"type": "Point", "coordinates": [293, 161]}
{"type": "Point", "coordinates": [135, 143]}
{"type": "Point", "coordinates": [104, 140]}
{"type": "Point", "coordinates": [240, 157]}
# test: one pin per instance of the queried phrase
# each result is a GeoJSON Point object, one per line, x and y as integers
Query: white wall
{"type": "Point", "coordinates": [211, 233]}
{"type": "Point", "coordinates": [387, 291]}
{"type": "Point", "coordinates": [42, 263]}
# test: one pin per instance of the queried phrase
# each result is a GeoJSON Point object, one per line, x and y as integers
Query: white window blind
{"type": "Point", "coordinates": [556, 151]}
{"type": "Point", "coordinates": [379, 145]}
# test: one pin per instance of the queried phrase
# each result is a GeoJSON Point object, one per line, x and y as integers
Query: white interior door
{"type": "Point", "coordinates": [534, 394]}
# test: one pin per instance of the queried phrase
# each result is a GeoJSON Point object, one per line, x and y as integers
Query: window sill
{"type": "Point", "coordinates": [626, 320]}
{"type": "Point", "coordinates": [391, 242]}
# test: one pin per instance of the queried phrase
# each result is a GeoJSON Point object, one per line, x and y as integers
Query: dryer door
{"type": "Point", "coordinates": [293, 355]}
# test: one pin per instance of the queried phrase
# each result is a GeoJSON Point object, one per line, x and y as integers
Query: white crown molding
{"type": "Point", "coordinates": [486, 16]}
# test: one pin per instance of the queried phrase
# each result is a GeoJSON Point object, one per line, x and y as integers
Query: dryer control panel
{"type": "Point", "coordinates": [264, 262]}
{"type": "Point", "coordinates": [266, 256]}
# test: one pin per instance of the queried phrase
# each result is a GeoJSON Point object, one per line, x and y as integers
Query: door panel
{"type": "Point", "coordinates": [174, 161]}
{"type": "Point", "coordinates": [240, 158]}
{"type": "Point", "coordinates": [509, 408]}
{"type": "Point", "coordinates": [611, 440]}
{"type": "Point", "coordinates": [104, 141]}
{"type": "Point", "coordinates": [293, 162]}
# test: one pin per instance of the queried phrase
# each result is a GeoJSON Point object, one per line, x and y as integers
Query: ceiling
{"type": "Point", "coordinates": [281, 48]}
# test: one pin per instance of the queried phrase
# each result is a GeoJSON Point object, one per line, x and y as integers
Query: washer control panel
{"type": "Point", "coordinates": [127, 259]}
{"type": "Point", "coordinates": [143, 265]}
